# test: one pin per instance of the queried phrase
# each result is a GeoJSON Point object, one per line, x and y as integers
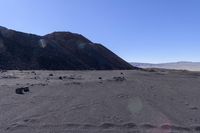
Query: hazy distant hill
{"type": "Point", "coordinates": [55, 51]}
{"type": "Point", "coordinates": [192, 66]}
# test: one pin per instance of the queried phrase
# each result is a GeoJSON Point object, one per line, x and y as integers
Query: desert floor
{"type": "Point", "coordinates": [133, 101]}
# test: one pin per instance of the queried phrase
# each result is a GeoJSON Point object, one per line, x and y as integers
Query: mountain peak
{"type": "Point", "coordinates": [67, 36]}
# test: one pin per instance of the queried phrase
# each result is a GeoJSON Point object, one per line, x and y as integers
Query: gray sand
{"type": "Point", "coordinates": [100, 102]}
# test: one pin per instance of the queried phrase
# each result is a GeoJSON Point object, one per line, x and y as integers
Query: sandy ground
{"type": "Point", "coordinates": [100, 102]}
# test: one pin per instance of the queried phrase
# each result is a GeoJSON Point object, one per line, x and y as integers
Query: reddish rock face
{"type": "Point", "coordinates": [55, 51]}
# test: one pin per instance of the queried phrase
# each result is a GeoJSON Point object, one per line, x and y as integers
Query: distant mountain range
{"type": "Point", "coordinates": [183, 65]}
{"type": "Point", "coordinates": [55, 51]}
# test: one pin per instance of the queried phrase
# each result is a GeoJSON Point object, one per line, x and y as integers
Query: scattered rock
{"type": "Point", "coordinates": [197, 128]}
{"type": "Point", "coordinates": [76, 83]}
{"type": "Point", "coordinates": [194, 108]}
{"type": "Point", "coordinates": [174, 127]}
{"type": "Point", "coordinates": [123, 96]}
{"type": "Point", "coordinates": [71, 77]}
{"type": "Point", "coordinates": [50, 74]}
{"type": "Point", "coordinates": [3, 71]}
{"type": "Point", "coordinates": [26, 89]}
{"type": "Point", "coordinates": [19, 91]}
{"type": "Point", "coordinates": [107, 125]}
{"type": "Point", "coordinates": [89, 126]}
{"type": "Point", "coordinates": [9, 77]}
{"type": "Point", "coordinates": [148, 126]}
{"type": "Point", "coordinates": [119, 78]}
{"type": "Point", "coordinates": [130, 125]}
{"type": "Point", "coordinates": [22, 90]}
{"type": "Point", "coordinates": [33, 72]}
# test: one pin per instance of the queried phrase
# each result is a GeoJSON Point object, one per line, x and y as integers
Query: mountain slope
{"type": "Point", "coordinates": [55, 51]}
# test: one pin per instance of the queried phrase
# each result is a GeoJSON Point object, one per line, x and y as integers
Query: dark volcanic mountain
{"type": "Point", "coordinates": [55, 51]}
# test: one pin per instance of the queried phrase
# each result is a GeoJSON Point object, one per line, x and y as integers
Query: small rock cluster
{"type": "Point", "coordinates": [119, 78]}
{"type": "Point", "coordinates": [22, 90]}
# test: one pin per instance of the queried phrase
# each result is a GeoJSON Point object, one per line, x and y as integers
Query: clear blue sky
{"type": "Point", "coordinates": [137, 30]}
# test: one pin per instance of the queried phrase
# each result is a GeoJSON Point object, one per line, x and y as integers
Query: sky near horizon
{"type": "Point", "coordinates": [152, 31]}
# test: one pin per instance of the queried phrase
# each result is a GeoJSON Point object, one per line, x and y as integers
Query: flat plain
{"type": "Point", "coordinates": [122, 101]}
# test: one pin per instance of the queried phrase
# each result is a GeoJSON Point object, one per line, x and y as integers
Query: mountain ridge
{"type": "Point", "coordinates": [55, 51]}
